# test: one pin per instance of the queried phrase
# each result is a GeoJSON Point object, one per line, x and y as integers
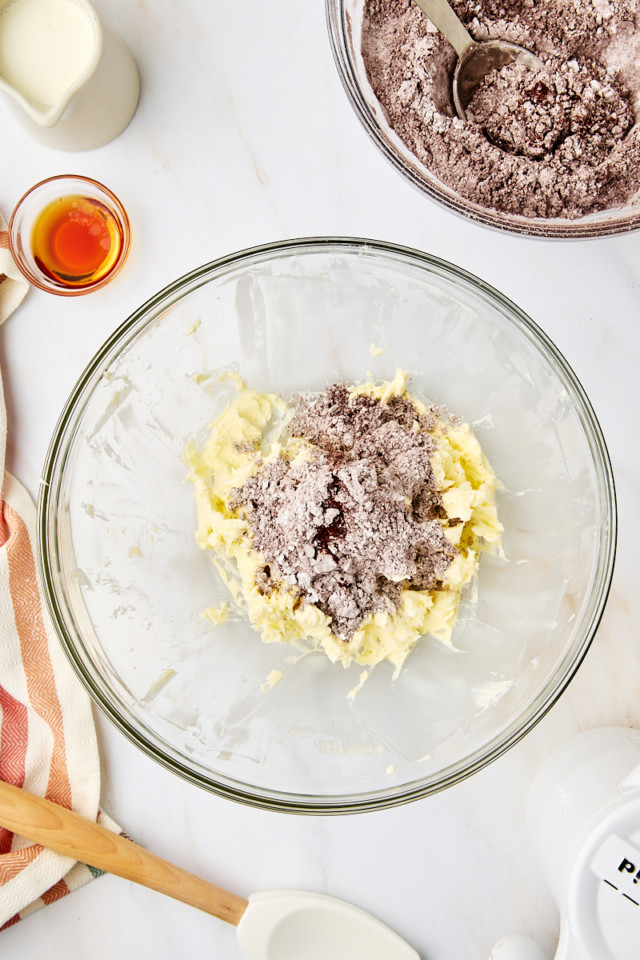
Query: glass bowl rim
{"type": "Point", "coordinates": [582, 228]}
{"type": "Point", "coordinates": [166, 755]}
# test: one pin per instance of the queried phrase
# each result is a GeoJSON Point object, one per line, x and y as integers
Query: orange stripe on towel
{"type": "Point", "coordinates": [38, 668]}
{"type": "Point", "coordinates": [58, 890]}
{"type": "Point", "coordinates": [11, 866]}
{"type": "Point", "coordinates": [4, 529]}
{"type": "Point", "coordinates": [14, 734]}
{"type": "Point", "coordinates": [13, 750]}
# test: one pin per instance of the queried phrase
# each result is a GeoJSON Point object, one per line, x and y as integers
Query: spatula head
{"type": "Point", "coordinates": [289, 925]}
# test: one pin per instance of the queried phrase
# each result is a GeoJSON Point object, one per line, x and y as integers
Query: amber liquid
{"type": "Point", "coordinates": [76, 241]}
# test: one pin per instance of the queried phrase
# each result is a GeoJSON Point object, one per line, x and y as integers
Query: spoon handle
{"type": "Point", "coordinates": [67, 833]}
{"type": "Point", "coordinates": [443, 17]}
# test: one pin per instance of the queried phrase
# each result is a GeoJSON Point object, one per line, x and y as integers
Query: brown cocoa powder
{"type": "Point", "coordinates": [359, 521]}
{"type": "Point", "coordinates": [565, 143]}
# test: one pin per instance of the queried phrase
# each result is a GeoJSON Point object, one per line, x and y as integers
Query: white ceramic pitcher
{"type": "Point", "coordinates": [71, 82]}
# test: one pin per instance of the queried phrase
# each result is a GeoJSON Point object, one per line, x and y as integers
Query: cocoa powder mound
{"type": "Point", "coordinates": [564, 143]}
{"type": "Point", "coordinates": [359, 521]}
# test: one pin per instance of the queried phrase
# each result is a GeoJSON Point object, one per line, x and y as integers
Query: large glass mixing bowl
{"type": "Point", "coordinates": [126, 583]}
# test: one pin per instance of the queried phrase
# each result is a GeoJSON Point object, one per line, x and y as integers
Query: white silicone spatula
{"type": "Point", "coordinates": [280, 925]}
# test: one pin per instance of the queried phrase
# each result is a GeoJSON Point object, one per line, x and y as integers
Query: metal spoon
{"type": "Point", "coordinates": [278, 925]}
{"type": "Point", "coordinates": [475, 59]}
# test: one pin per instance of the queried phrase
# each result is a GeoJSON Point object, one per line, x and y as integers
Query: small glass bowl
{"type": "Point", "coordinates": [25, 217]}
{"type": "Point", "coordinates": [344, 20]}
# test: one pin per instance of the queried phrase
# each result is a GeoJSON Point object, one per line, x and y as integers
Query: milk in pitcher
{"type": "Point", "coordinates": [45, 47]}
{"type": "Point", "coordinates": [69, 79]}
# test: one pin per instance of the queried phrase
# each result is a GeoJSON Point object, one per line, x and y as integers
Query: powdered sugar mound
{"type": "Point", "coordinates": [357, 522]}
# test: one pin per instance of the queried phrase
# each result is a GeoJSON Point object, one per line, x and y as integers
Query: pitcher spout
{"type": "Point", "coordinates": [72, 83]}
{"type": "Point", "coordinates": [49, 49]}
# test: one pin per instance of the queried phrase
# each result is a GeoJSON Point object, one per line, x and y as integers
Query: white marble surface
{"type": "Point", "coordinates": [244, 135]}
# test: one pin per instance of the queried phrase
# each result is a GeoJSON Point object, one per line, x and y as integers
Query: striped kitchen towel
{"type": "Point", "coordinates": [47, 736]}
{"type": "Point", "coordinates": [13, 286]}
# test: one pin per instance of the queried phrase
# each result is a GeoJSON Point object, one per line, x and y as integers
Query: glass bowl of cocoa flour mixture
{"type": "Point", "coordinates": [550, 154]}
{"type": "Point", "coordinates": [131, 592]}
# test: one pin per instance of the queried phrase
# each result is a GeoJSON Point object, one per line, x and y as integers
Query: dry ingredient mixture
{"type": "Point", "coordinates": [563, 142]}
{"type": "Point", "coordinates": [352, 517]}
{"type": "Point", "coordinates": [350, 526]}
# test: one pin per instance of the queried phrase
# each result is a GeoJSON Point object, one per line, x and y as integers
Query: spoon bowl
{"type": "Point", "coordinates": [478, 60]}
{"type": "Point", "coordinates": [475, 59]}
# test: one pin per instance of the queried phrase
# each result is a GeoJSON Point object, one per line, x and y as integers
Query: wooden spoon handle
{"type": "Point", "coordinates": [65, 832]}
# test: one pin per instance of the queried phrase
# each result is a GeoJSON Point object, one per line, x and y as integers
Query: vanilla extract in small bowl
{"type": "Point", "coordinates": [69, 235]}
{"type": "Point", "coordinates": [76, 241]}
